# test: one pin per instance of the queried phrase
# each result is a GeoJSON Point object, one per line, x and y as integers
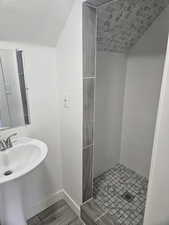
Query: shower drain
{"type": "Point", "coordinates": [8, 172]}
{"type": "Point", "coordinates": [128, 196]}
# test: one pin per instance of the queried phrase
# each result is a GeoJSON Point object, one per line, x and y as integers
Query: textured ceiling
{"type": "Point", "coordinates": [122, 22]}
{"type": "Point", "coordinates": [33, 21]}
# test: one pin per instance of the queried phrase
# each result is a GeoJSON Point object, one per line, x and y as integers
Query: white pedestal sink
{"type": "Point", "coordinates": [23, 157]}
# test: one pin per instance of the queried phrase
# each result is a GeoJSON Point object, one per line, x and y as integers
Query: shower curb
{"type": "Point", "coordinates": [92, 214]}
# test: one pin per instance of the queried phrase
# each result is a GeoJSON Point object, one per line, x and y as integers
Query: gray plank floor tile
{"type": "Point", "coordinates": [106, 220]}
{"type": "Point", "coordinates": [57, 206]}
{"type": "Point", "coordinates": [58, 214]}
{"type": "Point", "coordinates": [87, 219]}
{"type": "Point", "coordinates": [34, 221]}
{"type": "Point", "coordinates": [76, 221]}
{"type": "Point", "coordinates": [92, 209]}
{"type": "Point", "coordinates": [63, 216]}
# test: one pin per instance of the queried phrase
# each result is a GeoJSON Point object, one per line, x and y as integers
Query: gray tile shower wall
{"type": "Point", "coordinates": [89, 41]}
{"type": "Point", "coordinates": [88, 133]}
{"type": "Point", "coordinates": [97, 3]}
{"type": "Point", "coordinates": [89, 64]}
{"type": "Point", "coordinates": [88, 111]}
{"type": "Point", "coordinates": [87, 173]}
{"type": "Point", "coordinates": [88, 99]}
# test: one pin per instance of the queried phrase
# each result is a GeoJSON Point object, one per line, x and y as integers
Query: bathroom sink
{"type": "Point", "coordinates": [23, 157]}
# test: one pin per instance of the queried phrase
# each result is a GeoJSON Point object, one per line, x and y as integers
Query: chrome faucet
{"type": "Point", "coordinates": [5, 144]}
{"type": "Point", "coordinates": [2, 145]}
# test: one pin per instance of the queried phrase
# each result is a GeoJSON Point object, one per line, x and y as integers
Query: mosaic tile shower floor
{"type": "Point", "coordinates": [110, 189]}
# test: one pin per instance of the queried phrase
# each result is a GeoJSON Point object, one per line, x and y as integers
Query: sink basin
{"type": "Point", "coordinates": [16, 162]}
{"type": "Point", "coordinates": [26, 155]}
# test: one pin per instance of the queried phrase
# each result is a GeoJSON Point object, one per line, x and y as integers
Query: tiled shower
{"type": "Point", "coordinates": [124, 53]}
{"type": "Point", "coordinates": [89, 80]}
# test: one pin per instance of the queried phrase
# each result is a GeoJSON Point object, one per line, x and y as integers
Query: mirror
{"type": "Point", "coordinates": [14, 110]}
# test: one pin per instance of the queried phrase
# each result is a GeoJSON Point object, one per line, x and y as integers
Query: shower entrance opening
{"type": "Point", "coordinates": [124, 46]}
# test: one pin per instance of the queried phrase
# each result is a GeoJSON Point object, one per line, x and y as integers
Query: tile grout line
{"type": "Point", "coordinates": [104, 213]}
{"type": "Point", "coordinates": [87, 201]}
{"type": "Point", "coordinates": [87, 146]}
{"type": "Point", "coordinates": [85, 78]}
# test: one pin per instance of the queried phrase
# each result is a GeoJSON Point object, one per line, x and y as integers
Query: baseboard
{"type": "Point", "coordinates": [42, 205]}
{"type": "Point", "coordinates": [71, 203]}
{"type": "Point", "coordinates": [50, 200]}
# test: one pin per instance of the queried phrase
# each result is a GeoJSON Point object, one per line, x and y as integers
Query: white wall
{"type": "Point", "coordinates": [69, 64]}
{"type": "Point", "coordinates": [40, 187]}
{"type": "Point", "coordinates": [143, 82]}
{"type": "Point", "coordinates": [39, 21]}
{"type": "Point", "coordinates": [158, 198]}
{"type": "Point", "coordinates": [42, 66]}
{"type": "Point", "coordinates": [110, 84]}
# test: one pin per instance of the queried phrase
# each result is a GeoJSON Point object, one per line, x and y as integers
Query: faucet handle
{"type": "Point", "coordinates": [14, 134]}
{"type": "Point", "coordinates": [8, 141]}
{"type": "Point", "coordinates": [2, 145]}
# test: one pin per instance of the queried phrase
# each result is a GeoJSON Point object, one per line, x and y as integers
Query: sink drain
{"type": "Point", "coordinates": [8, 172]}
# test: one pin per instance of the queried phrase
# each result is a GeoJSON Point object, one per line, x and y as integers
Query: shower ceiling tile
{"type": "Point", "coordinates": [121, 23]}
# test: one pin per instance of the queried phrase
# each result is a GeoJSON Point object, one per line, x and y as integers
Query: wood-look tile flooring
{"type": "Point", "coordinates": [58, 214]}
